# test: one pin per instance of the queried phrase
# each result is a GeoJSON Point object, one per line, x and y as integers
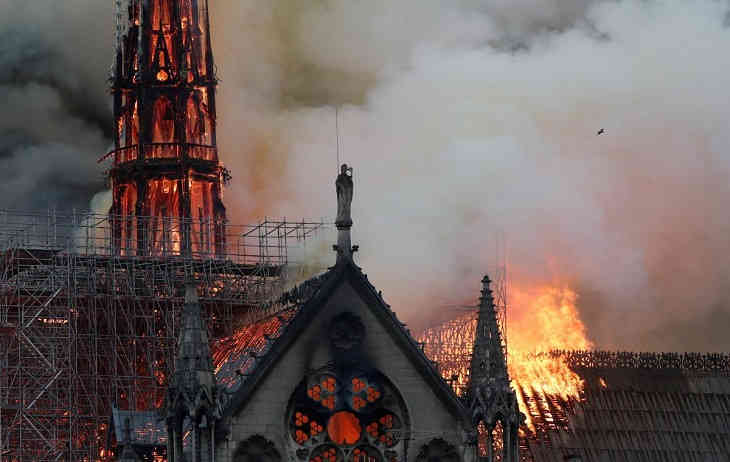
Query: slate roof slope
{"type": "Point", "coordinates": [240, 368]}
{"type": "Point", "coordinates": [235, 357]}
{"type": "Point", "coordinates": [637, 407]}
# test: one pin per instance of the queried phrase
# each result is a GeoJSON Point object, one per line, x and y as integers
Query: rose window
{"type": "Point", "coordinates": [352, 417]}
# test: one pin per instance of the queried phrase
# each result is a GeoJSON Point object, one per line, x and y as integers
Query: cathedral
{"type": "Point", "coordinates": [333, 376]}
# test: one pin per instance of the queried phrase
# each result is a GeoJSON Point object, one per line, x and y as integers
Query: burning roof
{"type": "Point", "coordinates": [236, 356]}
{"type": "Point", "coordinates": [603, 405]}
{"type": "Point", "coordinates": [242, 355]}
{"type": "Point", "coordinates": [635, 406]}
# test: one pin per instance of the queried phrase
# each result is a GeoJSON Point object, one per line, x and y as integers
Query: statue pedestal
{"type": "Point", "coordinates": [344, 243]}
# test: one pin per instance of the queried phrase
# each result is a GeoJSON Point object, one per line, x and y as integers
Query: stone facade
{"type": "Point", "coordinates": [334, 376]}
{"type": "Point", "coordinates": [265, 412]}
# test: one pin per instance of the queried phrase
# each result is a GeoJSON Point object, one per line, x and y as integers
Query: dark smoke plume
{"type": "Point", "coordinates": [461, 117]}
{"type": "Point", "coordinates": [56, 118]}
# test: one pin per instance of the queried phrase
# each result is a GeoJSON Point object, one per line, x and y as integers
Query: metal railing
{"type": "Point", "coordinates": [156, 151]}
{"type": "Point", "coordinates": [88, 233]}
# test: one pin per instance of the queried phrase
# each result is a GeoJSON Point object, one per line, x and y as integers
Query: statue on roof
{"type": "Point", "coordinates": [344, 187]}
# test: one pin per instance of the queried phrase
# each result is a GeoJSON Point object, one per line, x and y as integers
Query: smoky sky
{"type": "Point", "coordinates": [56, 117]}
{"type": "Point", "coordinates": [463, 119]}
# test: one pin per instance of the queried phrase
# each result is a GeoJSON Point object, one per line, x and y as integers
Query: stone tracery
{"type": "Point", "coordinates": [346, 411]}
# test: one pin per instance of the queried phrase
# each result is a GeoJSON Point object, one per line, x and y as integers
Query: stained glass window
{"type": "Point", "coordinates": [353, 416]}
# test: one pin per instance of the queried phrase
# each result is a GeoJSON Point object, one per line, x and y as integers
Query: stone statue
{"type": "Point", "coordinates": [344, 187]}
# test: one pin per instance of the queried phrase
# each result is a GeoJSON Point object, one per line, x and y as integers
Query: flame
{"type": "Point", "coordinates": [542, 319]}
{"type": "Point", "coordinates": [546, 319]}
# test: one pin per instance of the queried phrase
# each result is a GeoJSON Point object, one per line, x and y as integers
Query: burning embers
{"type": "Point", "coordinates": [545, 319]}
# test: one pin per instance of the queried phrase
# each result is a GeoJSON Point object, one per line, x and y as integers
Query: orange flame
{"type": "Point", "coordinates": [546, 319]}
{"type": "Point", "coordinates": [541, 320]}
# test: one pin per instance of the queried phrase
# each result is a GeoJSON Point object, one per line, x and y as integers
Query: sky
{"type": "Point", "coordinates": [463, 120]}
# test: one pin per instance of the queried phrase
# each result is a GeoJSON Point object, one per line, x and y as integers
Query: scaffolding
{"type": "Point", "coordinates": [87, 322]}
{"type": "Point", "coordinates": [635, 405]}
{"type": "Point", "coordinates": [450, 343]}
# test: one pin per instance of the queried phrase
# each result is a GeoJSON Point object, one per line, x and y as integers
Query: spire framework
{"type": "Point", "coordinates": [166, 177]}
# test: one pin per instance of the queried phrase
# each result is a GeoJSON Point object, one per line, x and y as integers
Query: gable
{"type": "Point", "coordinates": [263, 401]}
{"type": "Point", "coordinates": [237, 357]}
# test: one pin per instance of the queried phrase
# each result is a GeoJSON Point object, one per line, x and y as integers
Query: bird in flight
{"type": "Point", "coordinates": [601, 132]}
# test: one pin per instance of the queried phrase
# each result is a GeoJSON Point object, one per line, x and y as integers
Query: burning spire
{"type": "Point", "coordinates": [166, 177]}
{"type": "Point", "coordinates": [493, 403]}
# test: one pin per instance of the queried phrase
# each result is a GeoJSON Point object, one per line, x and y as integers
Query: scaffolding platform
{"type": "Point", "coordinates": [88, 322]}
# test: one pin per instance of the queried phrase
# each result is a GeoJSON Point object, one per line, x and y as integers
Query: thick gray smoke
{"type": "Point", "coordinates": [55, 119]}
{"type": "Point", "coordinates": [466, 117]}
{"type": "Point", "coordinates": [462, 118]}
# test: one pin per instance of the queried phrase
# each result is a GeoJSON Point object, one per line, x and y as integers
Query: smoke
{"type": "Point", "coordinates": [463, 118]}
{"type": "Point", "coordinates": [55, 120]}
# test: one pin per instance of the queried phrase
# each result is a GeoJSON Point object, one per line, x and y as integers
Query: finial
{"type": "Point", "coordinates": [344, 188]}
{"type": "Point", "coordinates": [486, 289]}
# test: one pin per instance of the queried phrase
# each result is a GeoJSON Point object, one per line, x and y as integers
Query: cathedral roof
{"type": "Point", "coordinates": [636, 406]}
{"type": "Point", "coordinates": [236, 356]}
{"type": "Point", "coordinates": [243, 359]}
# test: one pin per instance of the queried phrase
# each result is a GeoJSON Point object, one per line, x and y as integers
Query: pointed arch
{"type": "Point", "coordinates": [163, 120]}
{"type": "Point", "coordinates": [438, 450]}
{"type": "Point", "coordinates": [198, 127]}
{"type": "Point", "coordinates": [256, 449]}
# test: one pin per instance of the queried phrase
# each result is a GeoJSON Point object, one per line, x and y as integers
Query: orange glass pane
{"type": "Point", "coordinates": [314, 393]}
{"type": "Point", "coordinates": [344, 428]}
{"type": "Point", "coordinates": [328, 383]}
{"type": "Point", "coordinates": [373, 394]}
{"type": "Point", "coordinates": [330, 455]}
{"type": "Point", "coordinates": [329, 402]}
{"type": "Point", "coordinates": [300, 436]}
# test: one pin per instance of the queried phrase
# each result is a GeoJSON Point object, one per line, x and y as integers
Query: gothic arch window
{"type": "Point", "coordinates": [438, 450]}
{"type": "Point", "coordinates": [346, 414]}
{"type": "Point", "coordinates": [163, 116]}
{"type": "Point", "coordinates": [198, 128]}
{"type": "Point", "coordinates": [256, 449]}
{"type": "Point", "coordinates": [491, 441]}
